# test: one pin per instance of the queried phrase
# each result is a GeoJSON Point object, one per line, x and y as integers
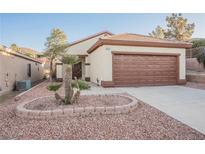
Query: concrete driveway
{"type": "Point", "coordinates": [182, 103]}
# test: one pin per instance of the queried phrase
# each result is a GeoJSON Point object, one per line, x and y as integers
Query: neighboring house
{"type": "Point", "coordinates": [46, 66]}
{"type": "Point", "coordinates": [16, 67]}
{"type": "Point", "coordinates": [37, 55]}
{"type": "Point", "coordinates": [130, 60]}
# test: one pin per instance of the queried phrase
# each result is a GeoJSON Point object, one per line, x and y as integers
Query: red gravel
{"type": "Point", "coordinates": [145, 122]}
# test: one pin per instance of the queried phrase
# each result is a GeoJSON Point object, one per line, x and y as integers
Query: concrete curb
{"type": "Point", "coordinates": [18, 97]}
{"type": "Point", "coordinates": [21, 111]}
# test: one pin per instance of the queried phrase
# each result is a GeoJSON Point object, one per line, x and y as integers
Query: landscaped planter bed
{"type": "Point", "coordinates": [47, 107]}
{"type": "Point", "coordinates": [144, 122]}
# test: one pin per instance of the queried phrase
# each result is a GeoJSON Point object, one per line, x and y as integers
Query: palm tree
{"type": "Point", "coordinates": [68, 61]}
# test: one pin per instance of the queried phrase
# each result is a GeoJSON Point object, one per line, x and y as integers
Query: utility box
{"type": "Point", "coordinates": [23, 85]}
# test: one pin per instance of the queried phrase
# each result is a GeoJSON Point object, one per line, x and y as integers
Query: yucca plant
{"type": "Point", "coordinates": [68, 61]}
{"type": "Point", "coordinates": [54, 88]}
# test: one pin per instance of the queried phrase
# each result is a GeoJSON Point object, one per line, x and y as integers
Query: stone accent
{"type": "Point", "coordinates": [21, 111]}
{"type": "Point", "coordinates": [193, 65]}
{"type": "Point", "coordinates": [196, 78]}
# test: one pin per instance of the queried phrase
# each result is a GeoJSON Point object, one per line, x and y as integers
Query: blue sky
{"type": "Point", "coordinates": [31, 30]}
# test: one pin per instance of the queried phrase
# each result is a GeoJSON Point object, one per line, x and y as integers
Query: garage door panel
{"type": "Point", "coordinates": [144, 70]}
{"type": "Point", "coordinates": [143, 74]}
{"type": "Point", "coordinates": [144, 63]}
{"type": "Point", "coordinates": [146, 82]}
{"type": "Point", "coordinates": [153, 78]}
{"type": "Point", "coordinates": [147, 69]}
{"type": "Point", "coordinates": [131, 65]}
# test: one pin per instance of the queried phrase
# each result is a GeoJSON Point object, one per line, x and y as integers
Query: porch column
{"type": "Point", "coordinates": [83, 68]}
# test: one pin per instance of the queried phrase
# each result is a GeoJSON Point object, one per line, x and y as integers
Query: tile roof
{"type": "Point", "coordinates": [9, 51]}
{"type": "Point", "coordinates": [130, 39]}
{"type": "Point", "coordinates": [139, 37]}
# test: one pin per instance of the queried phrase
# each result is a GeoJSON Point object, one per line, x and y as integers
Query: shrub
{"type": "Point", "coordinates": [198, 43]}
{"type": "Point", "coordinates": [54, 87]}
{"type": "Point", "coordinates": [201, 58]}
{"type": "Point", "coordinates": [82, 84]}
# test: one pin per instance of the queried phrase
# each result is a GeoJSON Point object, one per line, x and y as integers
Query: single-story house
{"type": "Point", "coordinates": [129, 60]}
{"type": "Point", "coordinates": [16, 67]}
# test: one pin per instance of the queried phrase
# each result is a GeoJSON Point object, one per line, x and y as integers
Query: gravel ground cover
{"type": "Point", "coordinates": [145, 122]}
{"type": "Point", "coordinates": [50, 103]}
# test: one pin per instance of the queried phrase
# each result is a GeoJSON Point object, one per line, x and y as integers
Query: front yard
{"type": "Point", "coordinates": [145, 122]}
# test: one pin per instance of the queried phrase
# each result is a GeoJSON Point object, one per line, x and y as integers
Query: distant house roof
{"type": "Point", "coordinates": [90, 37]}
{"type": "Point", "coordinates": [9, 51]}
{"type": "Point", "coordinates": [130, 39]}
{"type": "Point", "coordinates": [25, 50]}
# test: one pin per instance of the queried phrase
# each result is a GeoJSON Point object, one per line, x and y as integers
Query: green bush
{"type": "Point", "coordinates": [198, 43]}
{"type": "Point", "coordinates": [82, 84]}
{"type": "Point", "coordinates": [54, 87]}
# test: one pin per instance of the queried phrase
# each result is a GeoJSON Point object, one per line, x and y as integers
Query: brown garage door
{"type": "Point", "coordinates": [133, 69]}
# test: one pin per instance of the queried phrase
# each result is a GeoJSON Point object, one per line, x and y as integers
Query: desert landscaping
{"type": "Point", "coordinates": [144, 122]}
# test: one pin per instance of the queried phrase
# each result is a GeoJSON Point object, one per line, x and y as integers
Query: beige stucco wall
{"type": "Point", "coordinates": [101, 59]}
{"type": "Point", "coordinates": [82, 47]}
{"type": "Point", "coordinates": [59, 71]}
{"type": "Point", "coordinates": [16, 66]}
{"type": "Point", "coordinates": [87, 67]}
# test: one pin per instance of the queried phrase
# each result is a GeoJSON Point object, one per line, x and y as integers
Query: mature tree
{"type": "Point", "coordinates": [178, 28]}
{"type": "Point", "coordinates": [70, 94]}
{"type": "Point", "coordinates": [159, 32]}
{"type": "Point", "coordinates": [14, 47]}
{"type": "Point", "coordinates": [55, 44]}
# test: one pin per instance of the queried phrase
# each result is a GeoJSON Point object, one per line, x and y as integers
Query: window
{"type": "Point", "coordinates": [29, 70]}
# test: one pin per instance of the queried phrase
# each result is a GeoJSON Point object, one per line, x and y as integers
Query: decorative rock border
{"type": "Point", "coordinates": [21, 111]}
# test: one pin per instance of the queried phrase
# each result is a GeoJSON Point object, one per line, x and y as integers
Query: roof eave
{"type": "Point", "coordinates": [23, 57]}
{"type": "Point", "coordinates": [138, 43]}
{"type": "Point", "coordinates": [90, 37]}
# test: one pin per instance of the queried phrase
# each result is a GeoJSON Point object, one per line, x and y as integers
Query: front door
{"type": "Point", "coordinates": [77, 70]}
